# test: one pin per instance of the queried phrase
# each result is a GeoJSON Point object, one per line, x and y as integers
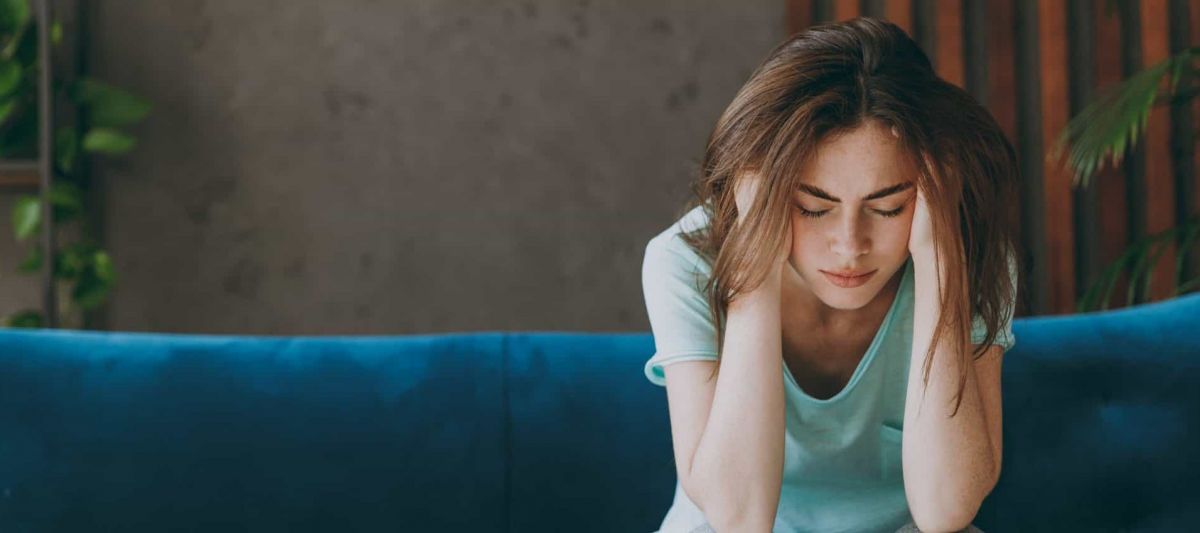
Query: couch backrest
{"type": "Point", "coordinates": [521, 431]}
{"type": "Point", "coordinates": [141, 432]}
{"type": "Point", "coordinates": [1102, 422]}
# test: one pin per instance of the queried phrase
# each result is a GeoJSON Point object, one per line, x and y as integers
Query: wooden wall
{"type": "Point", "coordinates": [1035, 64]}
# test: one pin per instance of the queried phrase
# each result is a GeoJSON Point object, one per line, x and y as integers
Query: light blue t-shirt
{"type": "Point", "coordinates": [842, 463]}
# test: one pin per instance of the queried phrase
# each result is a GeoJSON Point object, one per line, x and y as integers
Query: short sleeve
{"type": "Point", "coordinates": [673, 279]}
{"type": "Point", "coordinates": [1004, 337]}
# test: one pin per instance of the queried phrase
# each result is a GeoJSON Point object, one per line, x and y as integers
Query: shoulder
{"type": "Point", "coordinates": [674, 279]}
{"type": "Point", "coordinates": [667, 254]}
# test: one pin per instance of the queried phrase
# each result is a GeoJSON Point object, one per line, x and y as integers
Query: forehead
{"type": "Point", "coordinates": [858, 162]}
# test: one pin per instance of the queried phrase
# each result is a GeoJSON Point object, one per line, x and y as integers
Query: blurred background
{"type": "Point", "coordinates": [367, 167]}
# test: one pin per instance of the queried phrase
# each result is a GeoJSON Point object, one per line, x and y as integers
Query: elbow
{"type": "Point", "coordinates": [740, 518]}
{"type": "Point", "coordinates": [720, 511]}
{"type": "Point", "coordinates": [943, 518]}
{"type": "Point", "coordinates": [940, 522]}
{"type": "Point", "coordinates": [731, 511]}
{"type": "Point", "coordinates": [944, 508]}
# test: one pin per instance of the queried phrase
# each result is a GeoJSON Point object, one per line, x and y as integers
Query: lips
{"type": "Point", "coordinates": [849, 273]}
{"type": "Point", "coordinates": [854, 279]}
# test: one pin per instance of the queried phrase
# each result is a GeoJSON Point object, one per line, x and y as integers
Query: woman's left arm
{"type": "Point", "coordinates": [950, 463]}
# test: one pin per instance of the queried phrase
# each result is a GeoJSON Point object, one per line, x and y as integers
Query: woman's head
{"type": "Point", "coordinates": [834, 114]}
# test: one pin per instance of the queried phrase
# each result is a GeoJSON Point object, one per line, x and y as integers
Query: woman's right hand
{"type": "Point", "coordinates": [745, 190]}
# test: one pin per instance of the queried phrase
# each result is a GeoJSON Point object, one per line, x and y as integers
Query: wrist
{"type": "Point", "coordinates": [767, 291]}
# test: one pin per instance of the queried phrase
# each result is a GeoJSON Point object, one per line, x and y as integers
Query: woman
{"type": "Point", "coordinates": [851, 208]}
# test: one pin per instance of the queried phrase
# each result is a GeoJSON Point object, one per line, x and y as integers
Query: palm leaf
{"type": "Point", "coordinates": [1138, 261]}
{"type": "Point", "coordinates": [1191, 232]}
{"type": "Point", "coordinates": [1112, 122]}
{"type": "Point", "coordinates": [1099, 294]}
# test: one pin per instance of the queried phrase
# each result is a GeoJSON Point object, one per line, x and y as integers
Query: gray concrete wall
{"type": "Point", "coordinates": [353, 167]}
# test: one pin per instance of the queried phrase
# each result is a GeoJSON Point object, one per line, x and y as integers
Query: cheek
{"type": "Point", "coordinates": [801, 233]}
{"type": "Point", "coordinates": [892, 236]}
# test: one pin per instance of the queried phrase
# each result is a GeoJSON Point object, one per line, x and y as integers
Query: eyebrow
{"type": "Point", "coordinates": [887, 191]}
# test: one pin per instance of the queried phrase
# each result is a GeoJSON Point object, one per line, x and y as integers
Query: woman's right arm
{"type": "Point", "coordinates": [736, 469]}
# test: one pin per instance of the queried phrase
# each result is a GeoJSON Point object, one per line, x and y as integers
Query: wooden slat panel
{"type": "Point", "coordinates": [800, 14]}
{"type": "Point", "coordinates": [949, 47]}
{"type": "Point", "coordinates": [1160, 185]}
{"type": "Point", "coordinates": [1110, 182]}
{"type": "Point", "coordinates": [923, 28]}
{"type": "Point", "coordinates": [1056, 180]}
{"type": "Point", "coordinates": [1194, 40]}
{"type": "Point", "coordinates": [1002, 75]}
{"type": "Point", "coordinates": [1183, 138]}
{"type": "Point", "coordinates": [845, 9]}
{"type": "Point", "coordinates": [900, 12]}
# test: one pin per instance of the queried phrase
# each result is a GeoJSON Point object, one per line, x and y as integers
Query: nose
{"type": "Point", "coordinates": [849, 239]}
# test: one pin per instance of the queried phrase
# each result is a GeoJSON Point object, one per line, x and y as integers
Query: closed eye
{"type": "Point", "coordinates": [818, 214]}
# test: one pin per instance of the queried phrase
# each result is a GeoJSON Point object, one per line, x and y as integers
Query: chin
{"type": "Point", "coordinates": [844, 299]}
{"type": "Point", "coordinates": [848, 299]}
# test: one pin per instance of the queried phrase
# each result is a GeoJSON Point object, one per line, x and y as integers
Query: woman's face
{"type": "Point", "coordinates": [852, 212]}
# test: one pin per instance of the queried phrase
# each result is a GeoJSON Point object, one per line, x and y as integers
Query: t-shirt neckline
{"type": "Point", "coordinates": [866, 359]}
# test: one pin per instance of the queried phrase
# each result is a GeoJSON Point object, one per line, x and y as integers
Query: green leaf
{"type": "Point", "coordinates": [1138, 260]}
{"type": "Point", "coordinates": [7, 107]}
{"type": "Point", "coordinates": [1110, 125]}
{"type": "Point", "coordinates": [71, 262]}
{"type": "Point", "coordinates": [109, 106]}
{"type": "Point", "coordinates": [102, 265]}
{"type": "Point", "coordinates": [13, 14]}
{"type": "Point", "coordinates": [92, 270]}
{"type": "Point", "coordinates": [90, 292]}
{"type": "Point", "coordinates": [67, 200]}
{"type": "Point", "coordinates": [10, 76]}
{"type": "Point", "coordinates": [32, 262]}
{"type": "Point", "coordinates": [23, 47]}
{"type": "Point", "coordinates": [66, 148]}
{"type": "Point", "coordinates": [14, 23]}
{"type": "Point", "coordinates": [66, 195]}
{"type": "Point", "coordinates": [20, 139]}
{"type": "Point", "coordinates": [25, 319]}
{"type": "Point", "coordinates": [1191, 231]}
{"type": "Point", "coordinates": [1189, 286]}
{"type": "Point", "coordinates": [108, 141]}
{"type": "Point", "coordinates": [56, 33]}
{"type": "Point", "coordinates": [25, 217]}
{"type": "Point", "coordinates": [1152, 260]}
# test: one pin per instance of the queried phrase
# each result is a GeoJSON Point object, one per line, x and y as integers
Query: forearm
{"type": "Point", "coordinates": [738, 463]}
{"type": "Point", "coordinates": [947, 461]}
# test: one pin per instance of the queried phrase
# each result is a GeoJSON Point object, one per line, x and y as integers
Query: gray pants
{"type": "Point", "coordinates": [906, 528]}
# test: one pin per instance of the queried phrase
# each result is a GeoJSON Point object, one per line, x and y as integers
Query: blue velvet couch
{"type": "Point", "coordinates": [521, 432]}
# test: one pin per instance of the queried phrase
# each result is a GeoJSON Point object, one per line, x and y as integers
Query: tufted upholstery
{"type": "Point", "coordinates": [524, 431]}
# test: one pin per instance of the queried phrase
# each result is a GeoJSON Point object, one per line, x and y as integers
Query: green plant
{"type": "Point", "coordinates": [102, 111]}
{"type": "Point", "coordinates": [1101, 133]}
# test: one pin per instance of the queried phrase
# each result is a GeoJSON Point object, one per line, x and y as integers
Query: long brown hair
{"type": "Point", "coordinates": [828, 80]}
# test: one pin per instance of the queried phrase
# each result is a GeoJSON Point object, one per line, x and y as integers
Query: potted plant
{"type": "Point", "coordinates": [82, 269]}
{"type": "Point", "coordinates": [1101, 133]}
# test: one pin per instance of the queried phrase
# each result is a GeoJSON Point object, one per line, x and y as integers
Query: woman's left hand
{"type": "Point", "coordinates": [920, 239]}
